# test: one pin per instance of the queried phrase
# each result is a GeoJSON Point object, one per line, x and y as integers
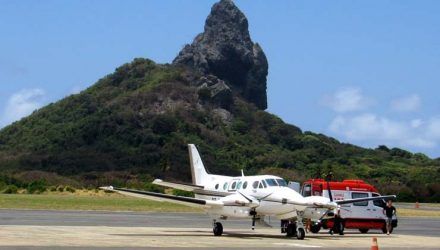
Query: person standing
{"type": "Point", "coordinates": [389, 210]}
{"type": "Point", "coordinates": [338, 227]}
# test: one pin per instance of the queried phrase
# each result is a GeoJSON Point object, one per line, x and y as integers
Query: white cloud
{"type": "Point", "coordinates": [21, 104]}
{"type": "Point", "coordinates": [433, 128]}
{"type": "Point", "coordinates": [415, 123]}
{"type": "Point", "coordinates": [347, 100]}
{"type": "Point", "coordinates": [378, 130]}
{"type": "Point", "coordinates": [406, 104]}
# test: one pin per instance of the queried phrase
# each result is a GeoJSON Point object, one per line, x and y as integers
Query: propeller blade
{"type": "Point", "coordinates": [330, 196]}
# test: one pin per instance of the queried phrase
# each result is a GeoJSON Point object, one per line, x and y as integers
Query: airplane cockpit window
{"type": "Point", "coordinates": [255, 184]}
{"type": "Point", "coordinates": [245, 185]}
{"type": "Point", "coordinates": [239, 185]}
{"type": "Point", "coordinates": [261, 185]}
{"type": "Point", "coordinates": [271, 182]}
{"type": "Point", "coordinates": [282, 183]}
{"type": "Point", "coordinates": [225, 186]}
{"type": "Point", "coordinates": [264, 184]}
{"type": "Point", "coordinates": [233, 185]}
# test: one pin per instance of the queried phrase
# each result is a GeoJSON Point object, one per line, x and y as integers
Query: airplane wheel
{"type": "Point", "coordinates": [291, 230]}
{"type": "Point", "coordinates": [315, 228]}
{"type": "Point", "coordinates": [218, 229]}
{"type": "Point", "coordinates": [300, 234]}
{"type": "Point", "coordinates": [363, 230]}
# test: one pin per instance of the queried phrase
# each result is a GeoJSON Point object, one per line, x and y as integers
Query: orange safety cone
{"type": "Point", "coordinates": [374, 246]}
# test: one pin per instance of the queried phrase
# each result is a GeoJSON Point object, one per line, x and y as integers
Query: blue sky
{"type": "Point", "coordinates": [364, 72]}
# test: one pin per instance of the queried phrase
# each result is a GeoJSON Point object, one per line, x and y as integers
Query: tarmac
{"type": "Point", "coordinates": [43, 229]}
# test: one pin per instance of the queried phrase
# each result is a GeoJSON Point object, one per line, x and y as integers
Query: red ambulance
{"type": "Point", "coordinates": [363, 215]}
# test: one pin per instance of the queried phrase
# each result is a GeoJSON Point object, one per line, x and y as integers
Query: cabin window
{"type": "Point", "coordinates": [225, 186]}
{"type": "Point", "coordinates": [245, 185]}
{"type": "Point", "coordinates": [271, 182]}
{"type": "Point", "coordinates": [255, 184]}
{"type": "Point", "coordinates": [356, 195]}
{"type": "Point", "coordinates": [216, 186]}
{"type": "Point", "coordinates": [282, 183]}
{"type": "Point", "coordinates": [239, 185]}
{"type": "Point", "coordinates": [378, 203]}
{"type": "Point", "coordinates": [233, 185]}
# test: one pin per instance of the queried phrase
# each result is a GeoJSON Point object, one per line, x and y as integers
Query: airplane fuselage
{"type": "Point", "coordinates": [269, 194]}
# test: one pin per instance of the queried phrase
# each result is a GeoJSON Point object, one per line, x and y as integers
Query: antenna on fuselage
{"type": "Point", "coordinates": [242, 173]}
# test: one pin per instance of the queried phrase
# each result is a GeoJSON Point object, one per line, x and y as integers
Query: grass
{"type": "Point", "coordinates": [99, 200]}
{"type": "Point", "coordinates": [88, 201]}
{"type": "Point", "coordinates": [412, 212]}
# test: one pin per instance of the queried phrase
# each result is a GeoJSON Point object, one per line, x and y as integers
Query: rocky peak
{"type": "Point", "coordinates": [226, 51]}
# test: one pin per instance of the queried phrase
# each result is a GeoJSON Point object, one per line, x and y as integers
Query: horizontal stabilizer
{"type": "Point", "coordinates": [176, 185]}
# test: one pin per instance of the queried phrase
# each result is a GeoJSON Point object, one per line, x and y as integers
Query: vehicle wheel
{"type": "Point", "coordinates": [291, 230]}
{"type": "Point", "coordinates": [363, 230]}
{"type": "Point", "coordinates": [300, 234]}
{"type": "Point", "coordinates": [315, 228]}
{"type": "Point", "coordinates": [218, 229]}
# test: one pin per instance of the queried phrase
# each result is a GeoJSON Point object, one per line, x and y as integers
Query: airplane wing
{"type": "Point", "coordinates": [165, 197]}
{"type": "Point", "coordinates": [176, 185]}
{"type": "Point", "coordinates": [384, 197]}
{"type": "Point", "coordinates": [321, 202]}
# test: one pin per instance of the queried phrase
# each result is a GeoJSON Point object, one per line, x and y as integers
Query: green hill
{"type": "Point", "coordinates": [136, 122]}
{"type": "Point", "coordinates": [133, 125]}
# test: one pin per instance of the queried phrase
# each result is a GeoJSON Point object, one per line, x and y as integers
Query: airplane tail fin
{"type": "Point", "coordinates": [198, 171]}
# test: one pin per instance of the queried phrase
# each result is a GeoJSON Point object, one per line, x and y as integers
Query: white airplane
{"type": "Point", "coordinates": [250, 197]}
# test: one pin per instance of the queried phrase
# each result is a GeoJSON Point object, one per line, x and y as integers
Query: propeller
{"type": "Point", "coordinates": [329, 176]}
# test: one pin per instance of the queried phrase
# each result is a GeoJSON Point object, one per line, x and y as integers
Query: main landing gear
{"type": "Point", "coordinates": [217, 228]}
{"type": "Point", "coordinates": [294, 228]}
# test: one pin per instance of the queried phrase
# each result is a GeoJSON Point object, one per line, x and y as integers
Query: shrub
{"type": "Point", "coordinates": [36, 187]}
{"type": "Point", "coordinates": [10, 189]}
{"type": "Point", "coordinates": [182, 193]}
{"type": "Point", "coordinates": [153, 188]}
{"type": "Point", "coordinates": [60, 188]}
{"type": "Point", "coordinates": [52, 188]}
{"type": "Point", "coordinates": [70, 189]}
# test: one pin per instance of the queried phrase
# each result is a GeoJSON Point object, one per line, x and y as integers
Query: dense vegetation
{"type": "Point", "coordinates": [134, 125]}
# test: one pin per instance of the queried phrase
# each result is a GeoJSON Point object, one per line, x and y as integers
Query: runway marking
{"type": "Point", "coordinates": [296, 245]}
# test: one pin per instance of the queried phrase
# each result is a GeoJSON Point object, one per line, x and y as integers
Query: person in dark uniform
{"type": "Point", "coordinates": [337, 224]}
{"type": "Point", "coordinates": [389, 210]}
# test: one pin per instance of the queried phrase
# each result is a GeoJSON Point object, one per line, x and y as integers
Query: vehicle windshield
{"type": "Point", "coordinates": [271, 182]}
{"type": "Point", "coordinates": [282, 183]}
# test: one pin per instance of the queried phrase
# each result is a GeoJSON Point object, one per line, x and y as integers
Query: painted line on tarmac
{"type": "Point", "coordinates": [296, 245]}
